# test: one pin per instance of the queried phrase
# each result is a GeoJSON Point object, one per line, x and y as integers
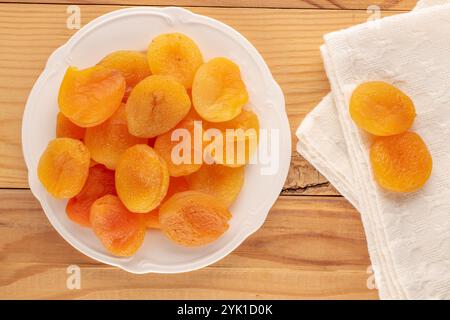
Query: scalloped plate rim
{"type": "Point", "coordinates": [240, 236]}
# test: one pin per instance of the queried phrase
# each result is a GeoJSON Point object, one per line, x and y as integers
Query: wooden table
{"type": "Point", "coordinates": [312, 244]}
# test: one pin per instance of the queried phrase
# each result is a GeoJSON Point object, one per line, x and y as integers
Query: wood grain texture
{"type": "Point", "coordinates": [289, 41]}
{"type": "Point", "coordinates": [293, 4]}
{"type": "Point", "coordinates": [309, 247]}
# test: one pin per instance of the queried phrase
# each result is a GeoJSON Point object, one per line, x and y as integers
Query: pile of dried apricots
{"type": "Point", "coordinates": [400, 158]}
{"type": "Point", "coordinates": [112, 153]}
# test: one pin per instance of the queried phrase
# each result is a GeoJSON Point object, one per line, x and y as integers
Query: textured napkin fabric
{"type": "Point", "coordinates": [408, 235]}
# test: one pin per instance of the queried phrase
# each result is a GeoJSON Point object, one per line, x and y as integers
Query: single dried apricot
{"type": "Point", "coordinates": [193, 218]}
{"type": "Point", "coordinates": [175, 55]}
{"type": "Point", "coordinates": [100, 182]}
{"type": "Point", "coordinates": [155, 106]}
{"type": "Point", "coordinates": [67, 129]}
{"type": "Point", "coordinates": [64, 167]}
{"type": "Point", "coordinates": [218, 92]}
{"type": "Point", "coordinates": [132, 64]}
{"type": "Point", "coordinates": [402, 162]}
{"type": "Point", "coordinates": [381, 109]}
{"type": "Point", "coordinates": [239, 139]}
{"type": "Point", "coordinates": [107, 141]}
{"type": "Point", "coordinates": [180, 153]}
{"type": "Point", "coordinates": [121, 232]}
{"type": "Point", "coordinates": [142, 178]}
{"type": "Point", "coordinates": [176, 185]}
{"type": "Point", "coordinates": [90, 96]}
{"type": "Point", "coordinates": [222, 182]}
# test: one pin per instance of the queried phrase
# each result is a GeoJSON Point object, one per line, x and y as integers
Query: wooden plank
{"type": "Point", "coordinates": [289, 41]}
{"type": "Point", "coordinates": [309, 247]}
{"type": "Point", "coordinates": [293, 4]}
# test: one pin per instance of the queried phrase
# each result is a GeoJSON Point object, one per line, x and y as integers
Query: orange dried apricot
{"type": "Point", "coordinates": [193, 218]}
{"type": "Point", "coordinates": [240, 139]}
{"type": "Point", "coordinates": [132, 64]}
{"type": "Point", "coordinates": [401, 163]}
{"type": "Point", "coordinates": [121, 232]}
{"type": "Point", "coordinates": [381, 109]}
{"type": "Point", "coordinates": [67, 129]}
{"type": "Point", "coordinates": [175, 55]}
{"type": "Point", "coordinates": [218, 92]}
{"type": "Point", "coordinates": [90, 96]}
{"type": "Point", "coordinates": [155, 106]}
{"type": "Point", "coordinates": [176, 185]}
{"type": "Point", "coordinates": [100, 182]}
{"type": "Point", "coordinates": [222, 182]}
{"type": "Point", "coordinates": [64, 167]}
{"type": "Point", "coordinates": [107, 141]}
{"type": "Point", "coordinates": [188, 141]}
{"type": "Point", "coordinates": [142, 178]}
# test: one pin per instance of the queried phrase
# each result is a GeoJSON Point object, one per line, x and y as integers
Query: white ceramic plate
{"type": "Point", "coordinates": [133, 29]}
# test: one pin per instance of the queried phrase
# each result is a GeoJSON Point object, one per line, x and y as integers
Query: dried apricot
{"type": "Point", "coordinates": [239, 139]}
{"type": "Point", "coordinates": [121, 232]}
{"type": "Point", "coordinates": [218, 92]}
{"type": "Point", "coordinates": [381, 109]}
{"type": "Point", "coordinates": [222, 182]}
{"type": "Point", "coordinates": [176, 185]}
{"type": "Point", "coordinates": [193, 218]}
{"type": "Point", "coordinates": [100, 182]}
{"type": "Point", "coordinates": [107, 141]}
{"type": "Point", "coordinates": [90, 96]}
{"type": "Point", "coordinates": [63, 167]}
{"type": "Point", "coordinates": [67, 129]}
{"type": "Point", "coordinates": [142, 178]}
{"type": "Point", "coordinates": [401, 162]}
{"type": "Point", "coordinates": [180, 154]}
{"type": "Point", "coordinates": [132, 64]}
{"type": "Point", "coordinates": [155, 106]}
{"type": "Point", "coordinates": [175, 55]}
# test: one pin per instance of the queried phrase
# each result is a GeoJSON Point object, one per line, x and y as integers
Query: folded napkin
{"type": "Point", "coordinates": [408, 235]}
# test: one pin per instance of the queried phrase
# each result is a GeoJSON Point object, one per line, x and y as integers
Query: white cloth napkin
{"type": "Point", "coordinates": [408, 235]}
